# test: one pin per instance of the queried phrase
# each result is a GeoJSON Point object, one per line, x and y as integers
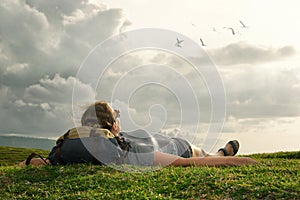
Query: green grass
{"type": "Point", "coordinates": [276, 177]}
{"type": "Point", "coordinates": [12, 155]}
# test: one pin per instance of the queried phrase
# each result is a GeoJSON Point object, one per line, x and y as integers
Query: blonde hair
{"type": "Point", "coordinates": [98, 114]}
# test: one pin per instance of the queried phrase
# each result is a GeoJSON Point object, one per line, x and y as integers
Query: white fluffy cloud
{"type": "Point", "coordinates": [16, 68]}
{"type": "Point", "coordinates": [42, 44]}
{"type": "Point", "coordinates": [56, 90]}
{"type": "Point", "coordinates": [35, 33]}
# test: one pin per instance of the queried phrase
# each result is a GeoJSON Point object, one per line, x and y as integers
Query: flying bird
{"type": "Point", "coordinates": [177, 44]}
{"type": "Point", "coordinates": [202, 43]}
{"type": "Point", "coordinates": [232, 30]}
{"type": "Point", "coordinates": [243, 25]}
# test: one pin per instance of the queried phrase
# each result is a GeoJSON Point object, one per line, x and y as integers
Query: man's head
{"type": "Point", "coordinates": [101, 114]}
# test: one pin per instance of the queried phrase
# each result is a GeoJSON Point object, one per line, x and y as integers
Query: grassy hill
{"type": "Point", "coordinates": [13, 155]}
{"type": "Point", "coordinates": [276, 177]}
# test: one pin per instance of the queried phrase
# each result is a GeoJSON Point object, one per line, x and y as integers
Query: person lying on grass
{"type": "Point", "coordinates": [100, 141]}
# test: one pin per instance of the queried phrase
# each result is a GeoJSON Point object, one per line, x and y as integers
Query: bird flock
{"type": "Point", "coordinates": [232, 31]}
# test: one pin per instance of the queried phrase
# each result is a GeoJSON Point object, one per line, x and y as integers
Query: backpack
{"type": "Point", "coordinates": [87, 145]}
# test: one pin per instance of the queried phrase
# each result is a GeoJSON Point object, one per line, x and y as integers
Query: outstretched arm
{"type": "Point", "coordinates": [173, 160]}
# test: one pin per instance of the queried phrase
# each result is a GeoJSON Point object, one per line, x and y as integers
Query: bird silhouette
{"type": "Point", "coordinates": [202, 43]}
{"type": "Point", "coordinates": [243, 25]}
{"type": "Point", "coordinates": [177, 44]}
{"type": "Point", "coordinates": [232, 30]}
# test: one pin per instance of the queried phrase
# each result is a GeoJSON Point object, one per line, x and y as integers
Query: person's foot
{"type": "Point", "coordinates": [230, 149]}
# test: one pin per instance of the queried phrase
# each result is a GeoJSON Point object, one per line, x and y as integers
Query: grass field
{"type": "Point", "coordinates": [276, 177]}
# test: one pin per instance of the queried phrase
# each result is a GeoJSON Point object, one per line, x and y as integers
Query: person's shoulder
{"type": "Point", "coordinates": [88, 131]}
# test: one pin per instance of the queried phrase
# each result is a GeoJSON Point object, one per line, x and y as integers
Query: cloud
{"type": "Point", "coordinates": [24, 30]}
{"type": "Point", "coordinates": [42, 45]}
{"type": "Point", "coordinates": [258, 93]}
{"type": "Point", "coordinates": [16, 68]}
{"type": "Point", "coordinates": [34, 33]}
{"type": "Point", "coordinates": [262, 126]}
{"type": "Point", "coordinates": [45, 109]}
{"type": "Point", "coordinates": [252, 92]}
{"type": "Point", "coordinates": [146, 79]}
{"type": "Point", "coordinates": [244, 53]}
{"type": "Point", "coordinates": [56, 90]}
{"type": "Point", "coordinates": [6, 94]}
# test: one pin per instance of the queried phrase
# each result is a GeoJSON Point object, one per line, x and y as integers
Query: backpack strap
{"type": "Point", "coordinates": [59, 143]}
{"type": "Point", "coordinates": [94, 146]}
{"type": "Point", "coordinates": [29, 158]}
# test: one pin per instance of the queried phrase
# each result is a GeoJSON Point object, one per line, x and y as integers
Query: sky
{"type": "Point", "coordinates": [244, 86]}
